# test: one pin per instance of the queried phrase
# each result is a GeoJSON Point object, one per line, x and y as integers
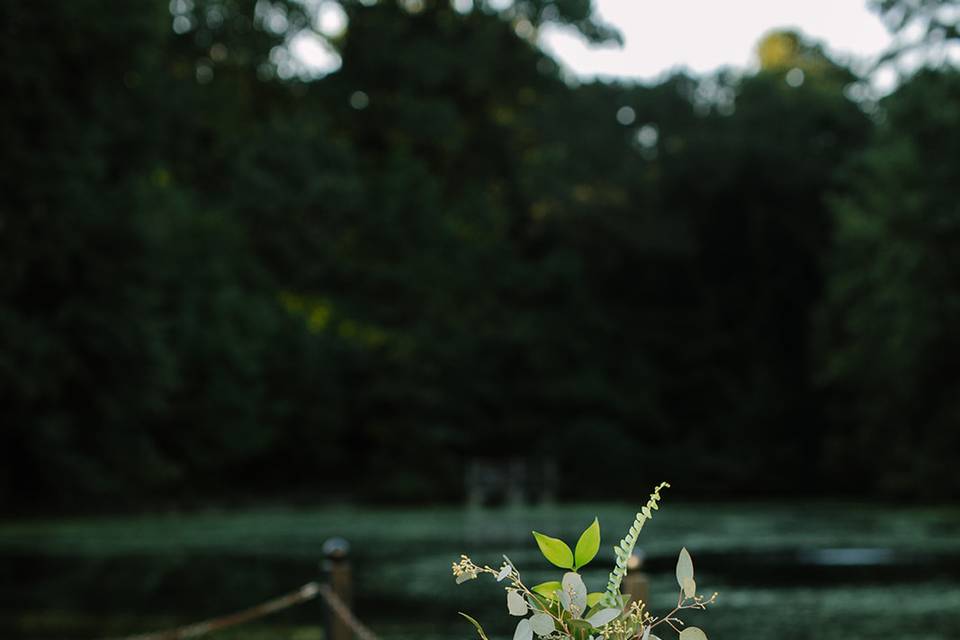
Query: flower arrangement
{"type": "Point", "coordinates": [563, 610]}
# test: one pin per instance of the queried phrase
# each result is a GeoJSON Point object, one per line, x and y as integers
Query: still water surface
{"type": "Point", "coordinates": [790, 572]}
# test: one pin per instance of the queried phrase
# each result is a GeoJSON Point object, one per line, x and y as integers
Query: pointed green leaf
{"type": "Point", "coordinates": [554, 550]}
{"type": "Point", "coordinates": [689, 587]}
{"type": "Point", "coordinates": [587, 545]}
{"type": "Point", "coordinates": [692, 633]}
{"type": "Point", "coordinates": [548, 589]}
{"type": "Point", "coordinates": [684, 567]}
{"type": "Point", "coordinates": [476, 624]}
{"type": "Point", "coordinates": [594, 598]}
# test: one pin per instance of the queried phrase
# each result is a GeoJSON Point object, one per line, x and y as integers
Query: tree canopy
{"type": "Point", "coordinates": [221, 280]}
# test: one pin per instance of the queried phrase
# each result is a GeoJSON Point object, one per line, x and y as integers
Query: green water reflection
{"type": "Point", "coordinates": [786, 572]}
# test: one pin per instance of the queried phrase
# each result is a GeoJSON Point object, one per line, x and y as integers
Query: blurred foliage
{"type": "Point", "coordinates": [924, 29]}
{"type": "Point", "coordinates": [893, 305]}
{"type": "Point", "coordinates": [219, 280]}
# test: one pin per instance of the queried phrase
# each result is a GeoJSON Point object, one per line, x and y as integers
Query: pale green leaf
{"type": "Point", "coordinates": [574, 594]}
{"type": "Point", "coordinates": [554, 550]}
{"type": "Point", "coordinates": [542, 624]}
{"type": "Point", "coordinates": [516, 605]}
{"type": "Point", "coordinates": [524, 631]}
{"type": "Point", "coordinates": [587, 545]}
{"type": "Point", "coordinates": [604, 616]}
{"type": "Point", "coordinates": [594, 598]}
{"type": "Point", "coordinates": [692, 633]}
{"type": "Point", "coordinates": [684, 567]}
{"type": "Point", "coordinates": [689, 587]}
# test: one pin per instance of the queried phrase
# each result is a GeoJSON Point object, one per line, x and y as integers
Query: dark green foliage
{"type": "Point", "coordinates": [216, 282]}
{"type": "Point", "coordinates": [892, 310]}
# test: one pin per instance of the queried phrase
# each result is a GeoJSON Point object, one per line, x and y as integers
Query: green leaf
{"type": "Point", "coordinates": [516, 605]}
{"type": "Point", "coordinates": [548, 589]}
{"type": "Point", "coordinates": [594, 598]}
{"type": "Point", "coordinates": [684, 567]}
{"type": "Point", "coordinates": [604, 616]}
{"type": "Point", "coordinates": [579, 629]}
{"type": "Point", "coordinates": [692, 633]}
{"type": "Point", "coordinates": [538, 602]}
{"type": "Point", "coordinates": [587, 545]}
{"type": "Point", "coordinates": [689, 587]}
{"type": "Point", "coordinates": [524, 631]}
{"type": "Point", "coordinates": [476, 624]}
{"type": "Point", "coordinates": [573, 596]}
{"type": "Point", "coordinates": [542, 624]}
{"type": "Point", "coordinates": [554, 550]}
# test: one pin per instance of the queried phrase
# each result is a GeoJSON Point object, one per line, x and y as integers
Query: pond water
{"type": "Point", "coordinates": [783, 571]}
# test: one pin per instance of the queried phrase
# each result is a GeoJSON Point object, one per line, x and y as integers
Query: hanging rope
{"type": "Point", "coordinates": [305, 593]}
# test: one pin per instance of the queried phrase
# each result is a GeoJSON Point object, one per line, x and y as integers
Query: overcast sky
{"type": "Point", "coordinates": [664, 35]}
{"type": "Point", "coordinates": [703, 35]}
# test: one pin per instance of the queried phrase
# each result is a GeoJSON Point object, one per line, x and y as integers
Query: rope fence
{"type": "Point", "coordinates": [342, 623]}
{"type": "Point", "coordinates": [340, 608]}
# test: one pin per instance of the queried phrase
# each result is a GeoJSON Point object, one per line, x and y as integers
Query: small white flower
{"type": "Point", "coordinates": [504, 572]}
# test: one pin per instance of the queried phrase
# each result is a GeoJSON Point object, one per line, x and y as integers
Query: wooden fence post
{"type": "Point", "coordinates": [336, 567]}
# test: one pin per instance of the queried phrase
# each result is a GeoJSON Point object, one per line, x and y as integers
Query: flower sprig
{"type": "Point", "coordinates": [563, 610]}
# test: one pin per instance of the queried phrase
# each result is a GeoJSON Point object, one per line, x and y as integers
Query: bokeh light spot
{"type": "Point", "coordinates": [626, 115]}
{"type": "Point", "coordinates": [359, 100]}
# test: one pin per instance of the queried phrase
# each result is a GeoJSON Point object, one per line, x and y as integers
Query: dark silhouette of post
{"type": "Point", "coordinates": [336, 568]}
{"type": "Point", "coordinates": [636, 582]}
